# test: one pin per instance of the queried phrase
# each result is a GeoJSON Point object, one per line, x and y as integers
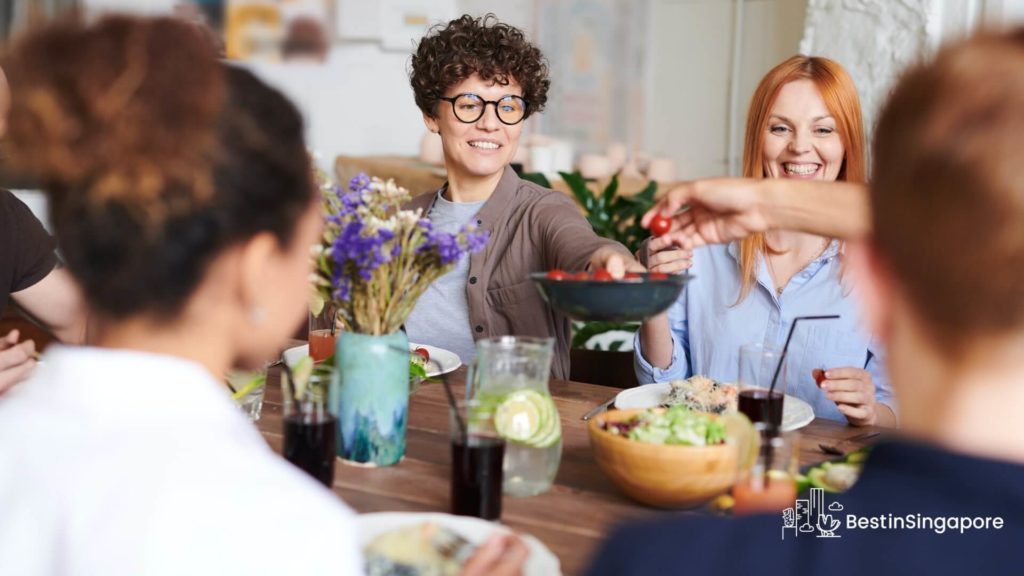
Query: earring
{"type": "Point", "coordinates": [257, 315]}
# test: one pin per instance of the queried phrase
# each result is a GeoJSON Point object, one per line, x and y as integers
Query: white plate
{"type": "Point", "coordinates": [448, 361]}
{"type": "Point", "coordinates": [541, 561]}
{"type": "Point", "coordinates": [796, 413]}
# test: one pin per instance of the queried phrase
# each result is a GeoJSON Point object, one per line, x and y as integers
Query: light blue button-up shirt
{"type": "Point", "coordinates": [708, 327]}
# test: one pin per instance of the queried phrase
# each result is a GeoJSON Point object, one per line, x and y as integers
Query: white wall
{"type": "Point", "coordinates": [875, 40]}
{"type": "Point", "coordinates": [357, 103]}
{"type": "Point", "coordinates": [695, 117]}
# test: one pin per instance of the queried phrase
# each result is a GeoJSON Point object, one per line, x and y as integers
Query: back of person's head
{"type": "Point", "coordinates": [495, 51]}
{"type": "Point", "coordinates": [840, 96]}
{"type": "Point", "coordinates": [156, 157]}
{"type": "Point", "coordinates": [947, 190]}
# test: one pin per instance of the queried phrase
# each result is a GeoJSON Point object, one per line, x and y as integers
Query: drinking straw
{"type": "Point", "coordinates": [772, 431]}
{"type": "Point", "coordinates": [464, 434]}
{"type": "Point", "coordinates": [291, 380]}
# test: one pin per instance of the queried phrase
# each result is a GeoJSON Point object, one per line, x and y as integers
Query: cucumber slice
{"type": "Point", "coordinates": [821, 477]}
{"type": "Point", "coordinates": [551, 431]}
{"type": "Point", "coordinates": [521, 415]}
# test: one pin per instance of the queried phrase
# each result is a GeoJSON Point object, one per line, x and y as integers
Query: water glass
{"type": "Point", "coordinates": [769, 484]}
{"type": "Point", "coordinates": [478, 454]}
{"type": "Point", "coordinates": [509, 378]}
{"type": "Point", "coordinates": [310, 427]}
{"type": "Point", "coordinates": [757, 400]}
{"type": "Point", "coordinates": [247, 390]}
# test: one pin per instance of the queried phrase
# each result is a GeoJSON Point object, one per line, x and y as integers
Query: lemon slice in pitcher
{"type": "Point", "coordinates": [523, 416]}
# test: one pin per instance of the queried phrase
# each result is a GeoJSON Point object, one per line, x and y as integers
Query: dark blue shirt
{"type": "Point", "coordinates": [904, 486]}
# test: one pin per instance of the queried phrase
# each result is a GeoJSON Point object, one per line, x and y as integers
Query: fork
{"type": "Point", "coordinates": [451, 545]}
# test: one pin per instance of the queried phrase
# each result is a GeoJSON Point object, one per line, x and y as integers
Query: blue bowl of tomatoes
{"type": "Point", "coordinates": [597, 297]}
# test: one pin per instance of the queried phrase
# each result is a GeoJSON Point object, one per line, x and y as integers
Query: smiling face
{"type": "Point", "coordinates": [801, 140]}
{"type": "Point", "coordinates": [478, 149]}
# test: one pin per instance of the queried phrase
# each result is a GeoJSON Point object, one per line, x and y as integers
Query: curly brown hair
{"type": "Point", "coordinates": [155, 156]}
{"type": "Point", "coordinates": [452, 52]}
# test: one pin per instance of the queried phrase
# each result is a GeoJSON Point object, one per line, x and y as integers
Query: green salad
{"type": "Point", "coordinates": [677, 425]}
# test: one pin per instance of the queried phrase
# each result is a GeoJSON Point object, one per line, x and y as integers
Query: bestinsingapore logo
{"type": "Point", "coordinates": [811, 516]}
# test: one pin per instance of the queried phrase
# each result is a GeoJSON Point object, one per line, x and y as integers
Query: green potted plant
{"type": "Point", "coordinates": [607, 360]}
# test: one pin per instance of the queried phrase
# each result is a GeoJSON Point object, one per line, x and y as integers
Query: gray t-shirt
{"type": "Point", "coordinates": [441, 316]}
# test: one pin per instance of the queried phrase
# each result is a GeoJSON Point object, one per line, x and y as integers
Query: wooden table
{"type": "Point", "coordinates": [571, 519]}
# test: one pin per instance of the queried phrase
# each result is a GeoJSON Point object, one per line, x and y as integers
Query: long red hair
{"type": "Point", "coordinates": [840, 96]}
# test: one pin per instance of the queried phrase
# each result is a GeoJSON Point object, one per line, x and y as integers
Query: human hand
{"type": "Point", "coordinates": [615, 262]}
{"type": "Point", "coordinates": [720, 210]}
{"type": "Point", "coordinates": [663, 256]}
{"type": "Point", "coordinates": [500, 555]}
{"type": "Point", "coordinates": [853, 391]}
{"type": "Point", "coordinates": [17, 360]}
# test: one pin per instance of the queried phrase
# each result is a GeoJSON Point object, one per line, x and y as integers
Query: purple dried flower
{"type": "Point", "coordinates": [359, 182]}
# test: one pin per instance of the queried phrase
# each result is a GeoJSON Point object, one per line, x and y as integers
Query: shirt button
{"type": "Point", "coordinates": [472, 280]}
{"type": "Point", "coordinates": [479, 329]}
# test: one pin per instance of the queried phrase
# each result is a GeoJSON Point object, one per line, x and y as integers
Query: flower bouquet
{"type": "Point", "coordinates": [374, 262]}
{"type": "Point", "coordinates": [375, 259]}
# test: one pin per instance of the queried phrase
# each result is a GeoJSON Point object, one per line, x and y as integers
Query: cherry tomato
{"type": "Point", "coordinates": [422, 352]}
{"type": "Point", "coordinates": [660, 225]}
{"type": "Point", "coordinates": [657, 276]}
{"type": "Point", "coordinates": [581, 276]}
{"type": "Point", "coordinates": [632, 276]}
{"type": "Point", "coordinates": [558, 275]}
{"type": "Point", "coordinates": [603, 275]}
{"type": "Point", "coordinates": [819, 375]}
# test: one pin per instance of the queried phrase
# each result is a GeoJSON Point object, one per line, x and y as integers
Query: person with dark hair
{"type": "Point", "coordinates": [476, 80]}
{"type": "Point", "coordinates": [29, 276]}
{"type": "Point", "coordinates": [181, 192]}
{"type": "Point", "coordinates": [186, 216]}
{"type": "Point", "coordinates": [937, 250]}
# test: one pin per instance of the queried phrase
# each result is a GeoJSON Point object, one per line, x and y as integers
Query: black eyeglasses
{"type": "Point", "coordinates": [469, 108]}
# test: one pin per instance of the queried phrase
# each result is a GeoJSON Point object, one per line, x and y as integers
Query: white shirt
{"type": "Point", "coordinates": [116, 463]}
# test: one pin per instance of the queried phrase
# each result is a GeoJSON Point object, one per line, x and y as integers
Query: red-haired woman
{"type": "Point", "coordinates": [804, 123]}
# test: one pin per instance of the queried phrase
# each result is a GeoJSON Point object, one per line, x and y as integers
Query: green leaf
{"type": "Point", "coordinates": [416, 371]}
{"type": "Point", "coordinates": [591, 329]}
{"type": "Point", "coordinates": [611, 189]}
{"type": "Point", "coordinates": [647, 194]}
{"type": "Point", "coordinates": [579, 189]}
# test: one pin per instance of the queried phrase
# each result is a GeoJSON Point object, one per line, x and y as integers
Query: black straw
{"type": "Point", "coordinates": [291, 381]}
{"type": "Point", "coordinates": [463, 433]}
{"type": "Point", "coordinates": [447, 390]}
{"type": "Point", "coordinates": [778, 368]}
{"type": "Point", "coordinates": [773, 430]}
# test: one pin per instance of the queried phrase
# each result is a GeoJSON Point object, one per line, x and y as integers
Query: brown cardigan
{"type": "Point", "coordinates": [532, 229]}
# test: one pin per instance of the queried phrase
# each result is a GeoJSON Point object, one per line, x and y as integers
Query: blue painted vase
{"type": "Point", "coordinates": [372, 397]}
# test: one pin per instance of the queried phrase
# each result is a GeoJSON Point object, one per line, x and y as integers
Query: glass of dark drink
{"type": "Point", "coordinates": [478, 453]}
{"type": "Point", "coordinates": [310, 427]}
{"type": "Point", "coordinates": [758, 367]}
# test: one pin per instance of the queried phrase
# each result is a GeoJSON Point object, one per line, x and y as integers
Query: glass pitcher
{"type": "Point", "coordinates": [509, 381]}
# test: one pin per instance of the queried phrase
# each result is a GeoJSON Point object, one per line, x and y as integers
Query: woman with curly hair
{"type": "Point", "coordinates": [476, 80]}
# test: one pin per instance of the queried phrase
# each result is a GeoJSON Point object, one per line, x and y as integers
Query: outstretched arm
{"type": "Point", "coordinates": [722, 210]}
